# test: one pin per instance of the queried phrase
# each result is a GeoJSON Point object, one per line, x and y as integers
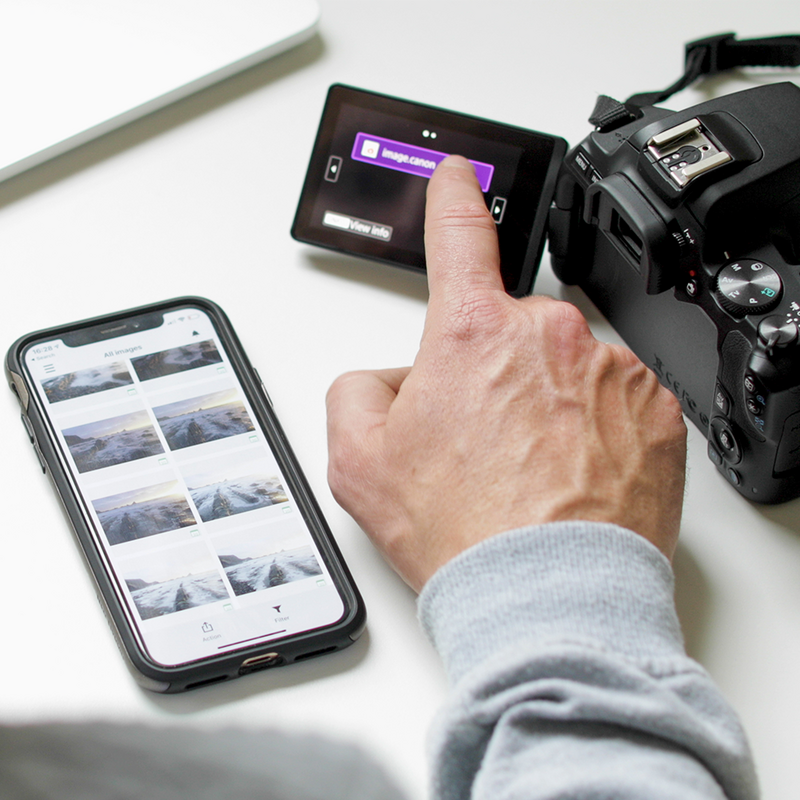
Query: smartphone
{"type": "Point", "coordinates": [364, 191]}
{"type": "Point", "coordinates": [210, 553]}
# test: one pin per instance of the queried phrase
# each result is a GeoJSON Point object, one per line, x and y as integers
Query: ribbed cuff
{"type": "Point", "coordinates": [565, 582]}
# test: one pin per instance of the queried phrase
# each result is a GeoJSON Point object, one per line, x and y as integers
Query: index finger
{"type": "Point", "coordinates": [461, 249]}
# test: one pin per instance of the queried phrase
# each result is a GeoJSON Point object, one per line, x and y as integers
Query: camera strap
{"type": "Point", "coordinates": [708, 56]}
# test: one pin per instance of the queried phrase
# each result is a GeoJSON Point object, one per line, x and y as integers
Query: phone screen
{"type": "Point", "coordinates": [193, 515]}
{"type": "Point", "coordinates": [364, 192]}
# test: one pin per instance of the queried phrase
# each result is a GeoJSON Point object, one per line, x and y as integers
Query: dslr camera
{"type": "Point", "coordinates": [684, 230]}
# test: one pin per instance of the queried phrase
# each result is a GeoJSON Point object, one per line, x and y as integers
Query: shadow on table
{"type": "Point", "coordinates": [372, 273]}
{"type": "Point", "coordinates": [693, 601]}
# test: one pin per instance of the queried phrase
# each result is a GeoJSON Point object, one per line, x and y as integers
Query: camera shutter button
{"type": "Point", "coordinates": [776, 331]}
{"type": "Point", "coordinates": [747, 286]}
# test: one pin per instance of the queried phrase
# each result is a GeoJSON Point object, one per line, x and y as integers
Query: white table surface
{"type": "Point", "coordinates": [199, 198]}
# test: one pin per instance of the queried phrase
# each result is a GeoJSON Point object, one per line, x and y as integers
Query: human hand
{"type": "Point", "coordinates": [513, 413]}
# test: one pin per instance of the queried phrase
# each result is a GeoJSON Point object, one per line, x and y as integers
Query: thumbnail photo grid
{"type": "Point", "coordinates": [190, 485]}
{"type": "Point", "coordinates": [192, 575]}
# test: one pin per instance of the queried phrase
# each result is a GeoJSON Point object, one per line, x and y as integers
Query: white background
{"type": "Point", "coordinates": [199, 198]}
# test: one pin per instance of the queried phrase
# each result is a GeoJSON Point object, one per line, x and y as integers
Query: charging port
{"type": "Point", "coordinates": [260, 662]}
{"type": "Point", "coordinates": [627, 237]}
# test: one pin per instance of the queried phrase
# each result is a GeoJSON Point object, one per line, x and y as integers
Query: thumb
{"type": "Point", "coordinates": [358, 405]}
{"type": "Point", "coordinates": [461, 250]}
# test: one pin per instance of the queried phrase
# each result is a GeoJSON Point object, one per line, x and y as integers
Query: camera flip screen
{"type": "Point", "coordinates": [364, 192]}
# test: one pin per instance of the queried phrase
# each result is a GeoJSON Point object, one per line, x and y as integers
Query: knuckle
{"type": "Point", "coordinates": [344, 470]}
{"type": "Point", "coordinates": [640, 379]}
{"type": "Point", "coordinates": [565, 315]}
{"type": "Point", "coordinates": [339, 394]}
{"type": "Point", "coordinates": [465, 214]}
{"type": "Point", "coordinates": [334, 390]}
{"type": "Point", "coordinates": [660, 404]}
{"type": "Point", "coordinates": [338, 479]}
{"type": "Point", "coordinates": [560, 320]}
{"type": "Point", "coordinates": [673, 412]}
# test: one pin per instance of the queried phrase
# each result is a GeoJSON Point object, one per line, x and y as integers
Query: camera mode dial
{"type": "Point", "coordinates": [747, 286]}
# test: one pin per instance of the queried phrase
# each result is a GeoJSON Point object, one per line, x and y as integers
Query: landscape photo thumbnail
{"type": "Point", "coordinates": [216, 496]}
{"type": "Point", "coordinates": [177, 359]}
{"type": "Point", "coordinates": [144, 512]}
{"type": "Point", "coordinates": [173, 579]}
{"type": "Point", "coordinates": [252, 573]}
{"type": "Point", "coordinates": [112, 441]}
{"type": "Point", "coordinates": [86, 381]}
{"type": "Point", "coordinates": [203, 419]}
{"type": "Point", "coordinates": [176, 594]}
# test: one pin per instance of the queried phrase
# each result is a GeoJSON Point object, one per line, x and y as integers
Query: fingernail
{"type": "Point", "coordinates": [458, 161]}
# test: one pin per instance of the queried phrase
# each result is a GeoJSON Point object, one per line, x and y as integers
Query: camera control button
{"type": "Point", "coordinates": [42, 462]}
{"type": "Point", "coordinates": [714, 454]}
{"type": "Point", "coordinates": [725, 440]}
{"type": "Point", "coordinates": [754, 407]}
{"type": "Point", "coordinates": [734, 477]}
{"type": "Point", "coordinates": [333, 169]}
{"type": "Point", "coordinates": [750, 383]}
{"type": "Point", "coordinates": [747, 286]}
{"type": "Point", "coordinates": [721, 401]}
{"type": "Point", "coordinates": [775, 331]}
{"type": "Point", "coordinates": [28, 427]}
{"type": "Point", "coordinates": [498, 209]}
{"type": "Point", "coordinates": [583, 164]}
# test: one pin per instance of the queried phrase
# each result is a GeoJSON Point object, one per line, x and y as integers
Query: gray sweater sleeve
{"type": "Point", "coordinates": [569, 675]}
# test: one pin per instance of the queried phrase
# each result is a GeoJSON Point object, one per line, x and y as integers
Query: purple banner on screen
{"type": "Point", "coordinates": [409, 158]}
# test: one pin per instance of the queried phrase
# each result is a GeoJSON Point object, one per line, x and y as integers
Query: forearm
{"type": "Point", "coordinates": [570, 678]}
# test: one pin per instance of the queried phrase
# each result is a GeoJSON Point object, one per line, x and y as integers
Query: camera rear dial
{"type": "Point", "coordinates": [725, 440]}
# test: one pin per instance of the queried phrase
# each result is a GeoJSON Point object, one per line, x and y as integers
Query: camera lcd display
{"type": "Point", "coordinates": [364, 192]}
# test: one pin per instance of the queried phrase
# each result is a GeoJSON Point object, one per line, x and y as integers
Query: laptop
{"type": "Point", "coordinates": [72, 71]}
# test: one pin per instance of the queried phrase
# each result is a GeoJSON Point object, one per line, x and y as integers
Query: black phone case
{"type": "Point", "coordinates": [148, 673]}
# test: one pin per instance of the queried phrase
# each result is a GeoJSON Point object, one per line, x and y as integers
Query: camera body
{"type": "Point", "coordinates": [684, 230]}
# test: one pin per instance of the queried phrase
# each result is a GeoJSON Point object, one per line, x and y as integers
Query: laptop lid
{"type": "Point", "coordinates": [72, 71]}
